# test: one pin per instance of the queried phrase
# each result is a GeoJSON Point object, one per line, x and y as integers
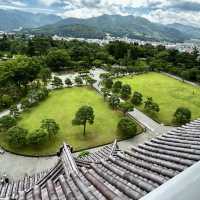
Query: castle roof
{"type": "Point", "coordinates": [111, 173]}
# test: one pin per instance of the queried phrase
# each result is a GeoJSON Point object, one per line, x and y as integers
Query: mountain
{"type": "Point", "coordinates": [115, 25]}
{"type": "Point", "coordinates": [190, 31]}
{"type": "Point", "coordinates": [14, 19]}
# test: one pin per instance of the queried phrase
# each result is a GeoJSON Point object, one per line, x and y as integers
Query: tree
{"type": "Point", "coordinates": [45, 75]}
{"type": "Point", "coordinates": [108, 82]}
{"type": "Point", "coordinates": [25, 104]}
{"type": "Point", "coordinates": [136, 99]}
{"type": "Point", "coordinates": [114, 101]}
{"type": "Point", "coordinates": [127, 127]}
{"type": "Point", "coordinates": [57, 82]}
{"type": "Point", "coordinates": [14, 111]}
{"type": "Point", "coordinates": [78, 80]}
{"type": "Point", "coordinates": [58, 59]}
{"type": "Point", "coordinates": [182, 115]}
{"type": "Point", "coordinates": [7, 122]}
{"type": "Point", "coordinates": [37, 137]}
{"type": "Point", "coordinates": [117, 87]}
{"type": "Point", "coordinates": [125, 91]}
{"type": "Point", "coordinates": [6, 101]}
{"type": "Point", "coordinates": [126, 107]}
{"type": "Point", "coordinates": [83, 115]}
{"type": "Point", "coordinates": [105, 92]}
{"type": "Point", "coordinates": [50, 126]}
{"type": "Point", "coordinates": [17, 136]}
{"type": "Point", "coordinates": [151, 106]}
{"type": "Point", "coordinates": [68, 82]}
{"type": "Point", "coordinates": [90, 80]}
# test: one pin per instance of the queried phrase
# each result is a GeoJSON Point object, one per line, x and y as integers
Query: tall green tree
{"type": "Point", "coordinates": [114, 101]}
{"type": "Point", "coordinates": [45, 75]}
{"type": "Point", "coordinates": [117, 87]}
{"type": "Point", "coordinates": [151, 106]}
{"type": "Point", "coordinates": [84, 115]}
{"type": "Point", "coordinates": [58, 59]}
{"type": "Point", "coordinates": [136, 98]}
{"type": "Point", "coordinates": [126, 91]}
{"type": "Point", "coordinates": [108, 82]}
{"type": "Point", "coordinates": [50, 126]}
{"type": "Point", "coordinates": [105, 92]}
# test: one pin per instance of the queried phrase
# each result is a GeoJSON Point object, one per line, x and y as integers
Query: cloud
{"type": "Point", "coordinates": [49, 2]}
{"type": "Point", "coordinates": [162, 11]}
{"type": "Point", "coordinates": [187, 6]}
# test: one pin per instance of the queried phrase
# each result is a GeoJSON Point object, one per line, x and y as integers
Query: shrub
{"type": "Point", "coordinates": [17, 136]}
{"type": "Point", "coordinates": [126, 107]}
{"type": "Point", "coordinates": [37, 137]}
{"type": "Point", "coordinates": [14, 111]}
{"type": "Point", "coordinates": [57, 82]}
{"type": "Point", "coordinates": [83, 154]}
{"type": "Point", "coordinates": [78, 80]}
{"type": "Point", "coordinates": [25, 104]}
{"type": "Point", "coordinates": [6, 101]}
{"type": "Point", "coordinates": [182, 115]}
{"type": "Point", "coordinates": [7, 122]}
{"type": "Point", "coordinates": [68, 82]}
{"type": "Point", "coordinates": [127, 127]}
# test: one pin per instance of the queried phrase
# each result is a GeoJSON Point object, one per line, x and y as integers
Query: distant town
{"type": "Point", "coordinates": [186, 46]}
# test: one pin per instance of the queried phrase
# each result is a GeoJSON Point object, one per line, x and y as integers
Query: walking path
{"type": "Point", "coordinates": [180, 79]}
{"type": "Point", "coordinates": [17, 166]}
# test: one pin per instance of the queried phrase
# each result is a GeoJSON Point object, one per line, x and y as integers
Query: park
{"type": "Point", "coordinates": [62, 105]}
{"type": "Point", "coordinates": [168, 92]}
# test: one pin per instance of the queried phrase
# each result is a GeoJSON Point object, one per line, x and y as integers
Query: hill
{"type": "Point", "coordinates": [190, 31]}
{"type": "Point", "coordinates": [14, 19]}
{"type": "Point", "coordinates": [115, 25]}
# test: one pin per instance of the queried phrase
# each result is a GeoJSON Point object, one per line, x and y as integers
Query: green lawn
{"type": "Point", "coordinates": [169, 93]}
{"type": "Point", "coordinates": [62, 105]}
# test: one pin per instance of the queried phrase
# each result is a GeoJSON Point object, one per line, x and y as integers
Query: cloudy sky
{"type": "Point", "coordinates": [162, 11]}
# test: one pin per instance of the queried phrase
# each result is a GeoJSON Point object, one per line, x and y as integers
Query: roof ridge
{"type": "Point", "coordinates": [68, 161]}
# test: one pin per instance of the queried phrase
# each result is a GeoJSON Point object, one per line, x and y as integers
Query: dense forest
{"type": "Point", "coordinates": [24, 61]}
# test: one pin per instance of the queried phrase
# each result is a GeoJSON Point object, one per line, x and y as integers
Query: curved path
{"type": "Point", "coordinates": [17, 166]}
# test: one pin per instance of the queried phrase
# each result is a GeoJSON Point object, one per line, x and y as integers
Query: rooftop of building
{"type": "Point", "coordinates": [145, 172]}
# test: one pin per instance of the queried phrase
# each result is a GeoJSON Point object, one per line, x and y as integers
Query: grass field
{"type": "Point", "coordinates": [62, 106]}
{"type": "Point", "coordinates": [169, 93]}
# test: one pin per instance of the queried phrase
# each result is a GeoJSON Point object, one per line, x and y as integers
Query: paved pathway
{"type": "Point", "coordinates": [16, 166]}
{"type": "Point", "coordinates": [180, 79]}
